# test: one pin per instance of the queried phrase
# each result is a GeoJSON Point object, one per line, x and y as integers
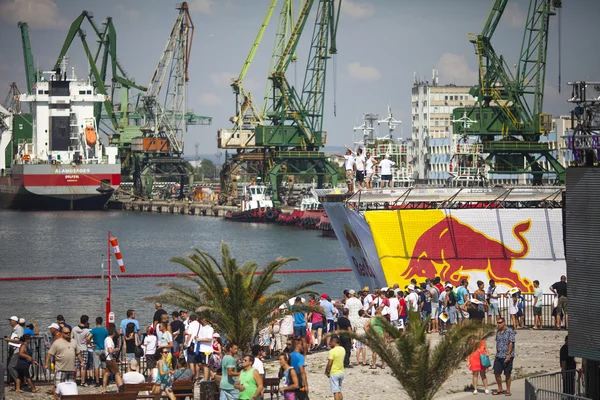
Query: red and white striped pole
{"type": "Point", "coordinates": [109, 280]}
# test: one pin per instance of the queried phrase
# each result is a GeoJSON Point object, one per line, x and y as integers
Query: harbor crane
{"type": "Point", "coordinates": [291, 133]}
{"type": "Point", "coordinates": [508, 112]}
{"type": "Point", "coordinates": [147, 123]}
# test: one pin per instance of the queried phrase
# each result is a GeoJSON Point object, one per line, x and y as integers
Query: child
{"type": "Point", "coordinates": [513, 310]}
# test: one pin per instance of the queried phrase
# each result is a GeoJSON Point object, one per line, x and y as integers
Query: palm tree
{"type": "Point", "coordinates": [421, 370]}
{"type": "Point", "coordinates": [237, 300]}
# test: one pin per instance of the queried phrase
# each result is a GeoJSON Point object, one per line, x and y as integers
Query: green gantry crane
{"type": "Point", "coordinates": [291, 131]}
{"type": "Point", "coordinates": [507, 116]}
{"type": "Point", "coordinates": [134, 111]}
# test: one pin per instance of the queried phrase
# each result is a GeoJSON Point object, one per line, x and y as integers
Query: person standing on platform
{"type": "Point", "coordinates": [350, 167]}
{"type": "Point", "coordinates": [386, 171]}
{"type": "Point", "coordinates": [14, 344]}
{"type": "Point", "coordinates": [538, 303]}
{"type": "Point", "coordinates": [130, 319]}
{"type": "Point", "coordinates": [79, 335]}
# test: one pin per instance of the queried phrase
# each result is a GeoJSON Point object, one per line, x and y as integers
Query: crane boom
{"type": "Point", "coordinates": [31, 74]}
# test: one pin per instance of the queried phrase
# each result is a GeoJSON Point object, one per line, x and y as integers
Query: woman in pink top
{"type": "Point", "coordinates": [317, 322]}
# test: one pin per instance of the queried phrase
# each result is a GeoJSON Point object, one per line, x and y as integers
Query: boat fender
{"type": "Point", "coordinates": [270, 214]}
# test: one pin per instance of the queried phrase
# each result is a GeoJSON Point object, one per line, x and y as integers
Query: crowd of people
{"type": "Point", "coordinates": [183, 346]}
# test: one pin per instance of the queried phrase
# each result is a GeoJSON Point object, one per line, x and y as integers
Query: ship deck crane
{"type": "Point", "coordinates": [508, 110]}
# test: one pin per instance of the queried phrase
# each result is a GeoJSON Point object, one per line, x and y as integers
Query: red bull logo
{"type": "Point", "coordinates": [361, 265]}
{"type": "Point", "coordinates": [351, 238]}
{"type": "Point", "coordinates": [450, 249]}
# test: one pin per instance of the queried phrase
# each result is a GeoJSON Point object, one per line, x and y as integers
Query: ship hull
{"type": "Point", "coordinates": [54, 187]}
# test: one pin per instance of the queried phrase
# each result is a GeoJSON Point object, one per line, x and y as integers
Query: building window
{"type": "Point", "coordinates": [446, 98]}
{"type": "Point", "coordinates": [89, 92]}
{"type": "Point", "coordinates": [82, 92]}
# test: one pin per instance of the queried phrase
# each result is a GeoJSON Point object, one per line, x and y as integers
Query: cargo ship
{"type": "Point", "coordinates": [53, 159]}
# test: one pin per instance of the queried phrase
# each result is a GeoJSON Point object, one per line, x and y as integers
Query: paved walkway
{"type": "Point", "coordinates": [517, 388]}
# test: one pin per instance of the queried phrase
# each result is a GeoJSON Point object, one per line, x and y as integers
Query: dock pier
{"type": "Point", "coordinates": [182, 207]}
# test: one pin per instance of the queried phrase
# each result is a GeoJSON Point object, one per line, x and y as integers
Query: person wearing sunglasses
{"type": "Point", "coordinates": [64, 352]}
{"type": "Point", "coordinates": [250, 384]}
{"type": "Point", "coordinates": [164, 378]}
{"type": "Point", "coordinates": [505, 353]}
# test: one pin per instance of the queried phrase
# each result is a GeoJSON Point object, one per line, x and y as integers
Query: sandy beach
{"type": "Point", "coordinates": [536, 352]}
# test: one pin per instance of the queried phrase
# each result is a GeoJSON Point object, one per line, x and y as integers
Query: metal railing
{"type": "Point", "coordinates": [564, 385]}
{"type": "Point", "coordinates": [547, 309]}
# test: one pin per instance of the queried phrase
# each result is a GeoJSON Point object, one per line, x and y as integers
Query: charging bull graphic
{"type": "Point", "coordinates": [450, 248]}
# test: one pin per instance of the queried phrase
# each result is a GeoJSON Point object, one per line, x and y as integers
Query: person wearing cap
{"type": "Point", "coordinates": [54, 329]}
{"type": "Point", "coordinates": [13, 346]}
{"type": "Point", "coordinates": [412, 299]}
{"type": "Point", "coordinates": [133, 376]}
{"type": "Point", "coordinates": [353, 305]}
{"type": "Point", "coordinates": [450, 305]}
{"type": "Point", "coordinates": [386, 171]}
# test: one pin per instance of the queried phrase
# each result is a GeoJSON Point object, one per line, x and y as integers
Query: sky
{"type": "Point", "coordinates": [382, 45]}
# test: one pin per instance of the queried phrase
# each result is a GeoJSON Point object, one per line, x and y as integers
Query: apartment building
{"type": "Point", "coordinates": [431, 133]}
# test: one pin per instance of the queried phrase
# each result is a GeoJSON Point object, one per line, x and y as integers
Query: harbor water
{"type": "Point", "coordinates": [75, 243]}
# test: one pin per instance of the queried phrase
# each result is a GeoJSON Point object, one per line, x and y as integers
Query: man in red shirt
{"type": "Point", "coordinates": [402, 310]}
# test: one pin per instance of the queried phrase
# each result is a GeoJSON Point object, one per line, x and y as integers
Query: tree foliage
{"type": "Point", "coordinates": [421, 370]}
{"type": "Point", "coordinates": [238, 300]}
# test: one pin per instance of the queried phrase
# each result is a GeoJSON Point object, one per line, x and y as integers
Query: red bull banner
{"type": "Point", "coordinates": [513, 247]}
{"type": "Point", "coordinates": [355, 236]}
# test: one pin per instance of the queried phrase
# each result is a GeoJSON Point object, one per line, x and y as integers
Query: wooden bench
{"type": "Point", "coordinates": [271, 387]}
{"type": "Point", "coordinates": [180, 389]}
{"type": "Point", "coordinates": [91, 396]}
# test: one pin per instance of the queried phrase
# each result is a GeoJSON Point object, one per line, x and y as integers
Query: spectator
{"type": "Point", "coordinates": [474, 363]}
{"type": "Point", "coordinates": [165, 373]}
{"type": "Point", "coordinates": [538, 303]}
{"type": "Point", "coordinates": [370, 163]}
{"type": "Point", "coordinates": [217, 354]}
{"type": "Point", "coordinates": [204, 347]}
{"type": "Point", "coordinates": [158, 314]}
{"type": "Point", "coordinates": [386, 171]}
{"type": "Point", "coordinates": [60, 320]}
{"type": "Point", "coordinates": [14, 344]}
{"type": "Point", "coordinates": [111, 353]}
{"type": "Point", "coordinates": [462, 298]}
{"type": "Point", "coordinates": [182, 373]}
{"type": "Point", "coordinates": [425, 302]}
{"type": "Point", "coordinates": [376, 326]}
{"type": "Point", "coordinates": [513, 310]}
{"type": "Point", "coordinates": [149, 346]}
{"type": "Point", "coordinates": [98, 335]}
{"type": "Point", "coordinates": [361, 348]}
{"type": "Point", "coordinates": [402, 310]}
{"type": "Point", "coordinates": [258, 364]}
{"type": "Point", "coordinates": [492, 299]}
{"type": "Point", "coordinates": [64, 352]}
{"type": "Point", "coordinates": [316, 319]}
{"type": "Point", "coordinates": [250, 383]}
{"type": "Point", "coordinates": [450, 305]}
{"type": "Point", "coordinates": [130, 319]}
{"type": "Point", "coordinates": [567, 367]}
{"type": "Point", "coordinates": [560, 290]}
{"type": "Point", "coordinates": [290, 385]}
{"type": "Point", "coordinates": [478, 313]}
{"type": "Point", "coordinates": [300, 323]}
{"type": "Point", "coordinates": [80, 334]}
{"type": "Point", "coordinates": [133, 376]}
{"type": "Point", "coordinates": [24, 364]}
{"type": "Point", "coordinates": [66, 389]}
{"type": "Point", "coordinates": [344, 341]}
{"type": "Point", "coordinates": [350, 167]}
{"type": "Point", "coordinates": [131, 341]}
{"type": "Point", "coordinates": [505, 353]}
{"type": "Point", "coordinates": [299, 364]}
{"type": "Point", "coordinates": [178, 331]}
{"type": "Point", "coordinates": [329, 311]}
{"type": "Point", "coordinates": [335, 367]}
{"type": "Point", "coordinates": [191, 333]}
{"type": "Point", "coordinates": [229, 373]}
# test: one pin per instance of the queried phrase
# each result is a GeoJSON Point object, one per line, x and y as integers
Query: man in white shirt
{"type": "Point", "coordinates": [66, 388]}
{"type": "Point", "coordinates": [367, 300]}
{"type": "Point", "coordinates": [369, 170]}
{"type": "Point", "coordinates": [132, 376]}
{"type": "Point", "coordinates": [394, 305]}
{"type": "Point", "coordinates": [191, 332]}
{"type": "Point", "coordinates": [359, 160]}
{"type": "Point", "coordinates": [354, 306]}
{"type": "Point", "coordinates": [412, 299]}
{"type": "Point", "coordinates": [258, 364]}
{"type": "Point", "coordinates": [386, 171]}
{"type": "Point", "coordinates": [350, 167]}
{"type": "Point", "coordinates": [205, 339]}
